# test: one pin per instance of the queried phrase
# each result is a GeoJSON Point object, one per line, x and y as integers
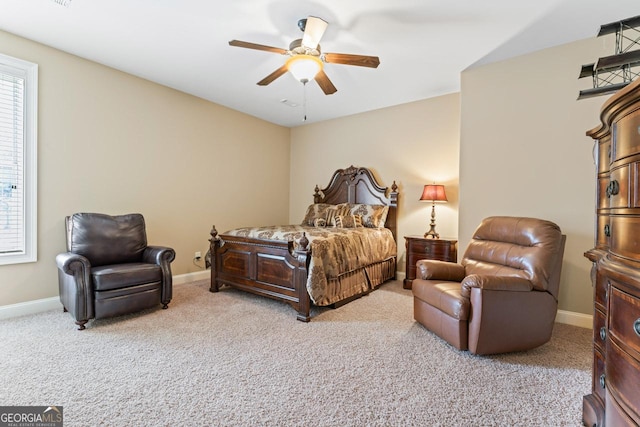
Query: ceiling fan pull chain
{"type": "Point", "coordinates": [304, 99]}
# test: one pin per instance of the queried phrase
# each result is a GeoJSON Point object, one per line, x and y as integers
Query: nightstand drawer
{"type": "Point", "coordinates": [432, 249]}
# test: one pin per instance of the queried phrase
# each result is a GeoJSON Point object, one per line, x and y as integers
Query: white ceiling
{"type": "Point", "coordinates": [423, 45]}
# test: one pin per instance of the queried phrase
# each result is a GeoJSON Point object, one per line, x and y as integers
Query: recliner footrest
{"type": "Point", "coordinates": [124, 301]}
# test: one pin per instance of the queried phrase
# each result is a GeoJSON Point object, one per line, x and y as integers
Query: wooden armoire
{"type": "Point", "coordinates": [615, 397]}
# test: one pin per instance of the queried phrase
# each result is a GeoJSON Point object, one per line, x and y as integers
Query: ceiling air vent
{"type": "Point", "coordinates": [64, 3]}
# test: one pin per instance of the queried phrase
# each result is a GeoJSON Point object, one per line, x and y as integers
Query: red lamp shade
{"type": "Point", "coordinates": [434, 193]}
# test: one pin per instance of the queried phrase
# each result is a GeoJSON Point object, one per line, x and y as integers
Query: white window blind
{"type": "Point", "coordinates": [18, 80]}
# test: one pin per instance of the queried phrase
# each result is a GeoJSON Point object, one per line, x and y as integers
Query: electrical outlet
{"type": "Point", "coordinates": [197, 256]}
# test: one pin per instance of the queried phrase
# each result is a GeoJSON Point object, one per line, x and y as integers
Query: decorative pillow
{"type": "Point", "coordinates": [348, 221]}
{"type": "Point", "coordinates": [320, 222]}
{"type": "Point", "coordinates": [334, 212]}
{"type": "Point", "coordinates": [383, 217]}
{"type": "Point", "coordinates": [316, 210]}
{"type": "Point", "coordinates": [373, 216]}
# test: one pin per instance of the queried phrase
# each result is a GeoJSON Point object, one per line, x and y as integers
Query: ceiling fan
{"type": "Point", "coordinates": [306, 60]}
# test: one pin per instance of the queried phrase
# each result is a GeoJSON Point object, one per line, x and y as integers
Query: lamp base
{"type": "Point", "coordinates": [432, 233]}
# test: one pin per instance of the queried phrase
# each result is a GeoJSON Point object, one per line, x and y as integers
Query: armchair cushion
{"type": "Point", "coordinates": [445, 296]}
{"type": "Point", "coordinates": [116, 276]}
{"type": "Point", "coordinates": [516, 247]}
{"type": "Point", "coordinates": [105, 239]}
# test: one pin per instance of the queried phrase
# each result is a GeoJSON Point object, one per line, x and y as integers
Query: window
{"type": "Point", "coordinates": [18, 136]}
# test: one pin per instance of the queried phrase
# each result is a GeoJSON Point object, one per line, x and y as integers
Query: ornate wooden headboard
{"type": "Point", "coordinates": [358, 185]}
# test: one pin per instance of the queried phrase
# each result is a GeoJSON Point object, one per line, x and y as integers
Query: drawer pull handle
{"type": "Point", "coordinates": [607, 230]}
{"type": "Point", "coordinates": [636, 327]}
{"type": "Point", "coordinates": [603, 333]}
{"type": "Point", "coordinates": [613, 188]}
{"type": "Point", "coordinates": [602, 381]}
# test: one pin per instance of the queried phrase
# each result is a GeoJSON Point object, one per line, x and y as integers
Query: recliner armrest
{"type": "Point", "coordinates": [72, 263]}
{"type": "Point", "coordinates": [76, 288]}
{"type": "Point", "coordinates": [162, 256]}
{"type": "Point", "coordinates": [429, 269]}
{"type": "Point", "coordinates": [158, 255]}
{"type": "Point", "coordinates": [495, 283]}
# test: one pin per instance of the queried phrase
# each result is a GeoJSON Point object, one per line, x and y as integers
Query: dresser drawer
{"type": "Point", "coordinates": [624, 319]}
{"type": "Point", "coordinates": [598, 374]}
{"type": "Point", "coordinates": [625, 236]}
{"type": "Point", "coordinates": [601, 291]}
{"type": "Point", "coordinates": [626, 136]}
{"type": "Point", "coordinates": [604, 154]}
{"type": "Point", "coordinates": [617, 189]}
{"type": "Point", "coordinates": [616, 416]}
{"type": "Point", "coordinates": [603, 231]}
{"type": "Point", "coordinates": [623, 379]}
{"type": "Point", "coordinates": [599, 329]}
{"type": "Point", "coordinates": [603, 200]}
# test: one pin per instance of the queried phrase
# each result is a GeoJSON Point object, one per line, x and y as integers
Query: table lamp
{"type": "Point", "coordinates": [434, 193]}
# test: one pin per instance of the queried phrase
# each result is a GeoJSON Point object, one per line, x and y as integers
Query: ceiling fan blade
{"type": "Point", "coordinates": [313, 31]}
{"type": "Point", "coordinates": [347, 59]}
{"type": "Point", "coordinates": [239, 43]}
{"type": "Point", "coordinates": [325, 84]}
{"type": "Point", "coordinates": [271, 77]}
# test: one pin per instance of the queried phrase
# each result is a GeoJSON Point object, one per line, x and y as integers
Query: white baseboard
{"type": "Point", "coordinates": [575, 319]}
{"type": "Point", "coordinates": [53, 303]}
{"type": "Point", "coordinates": [181, 279]}
{"type": "Point", "coordinates": [30, 307]}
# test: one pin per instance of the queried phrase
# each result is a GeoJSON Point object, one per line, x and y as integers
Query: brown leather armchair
{"type": "Point", "coordinates": [109, 270]}
{"type": "Point", "coordinates": [502, 296]}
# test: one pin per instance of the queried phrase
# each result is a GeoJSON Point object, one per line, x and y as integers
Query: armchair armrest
{"type": "Point", "coordinates": [158, 255]}
{"type": "Point", "coordinates": [162, 256]}
{"type": "Point", "coordinates": [428, 269]}
{"type": "Point", "coordinates": [73, 264]}
{"type": "Point", "coordinates": [509, 314]}
{"type": "Point", "coordinates": [76, 288]}
{"type": "Point", "coordinates": [495, 283]}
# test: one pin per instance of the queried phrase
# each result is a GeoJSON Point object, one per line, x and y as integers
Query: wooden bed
{"type": "Point", "coordinates": [279, 269]}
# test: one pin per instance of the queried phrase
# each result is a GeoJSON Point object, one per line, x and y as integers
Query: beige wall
{"type": "Point", "coordinates": [110, 142]}
{"type": "Point", "coordinates": [523, 151]}
{"type": "Point", "coordinates": [413, 144]}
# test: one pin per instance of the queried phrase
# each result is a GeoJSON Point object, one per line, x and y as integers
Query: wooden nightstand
{"type": "Point", "coordinates": [420, 248]}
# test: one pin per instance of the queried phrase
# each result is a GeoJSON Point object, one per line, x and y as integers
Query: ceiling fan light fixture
{"type": "Point", "coordinates": [304, 67]}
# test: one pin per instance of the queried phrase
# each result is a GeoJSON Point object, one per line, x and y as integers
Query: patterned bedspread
{"type": "Point", "coordinates": [335, 253]}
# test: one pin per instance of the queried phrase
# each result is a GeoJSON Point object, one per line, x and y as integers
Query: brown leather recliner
{"type": "Point", "coordinates": [109, 270]}
{"type": "Point", "coordinates": [503, 296]}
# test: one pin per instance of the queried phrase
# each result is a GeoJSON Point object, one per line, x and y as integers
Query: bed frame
{"type": "Point", "coordinates": [278, 269]}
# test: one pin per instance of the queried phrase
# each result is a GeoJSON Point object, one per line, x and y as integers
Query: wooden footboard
{"type": "Point", "coordinates": [270, 268]}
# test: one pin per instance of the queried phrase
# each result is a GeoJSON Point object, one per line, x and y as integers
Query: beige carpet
{"type": "Point", "coordinates": [233, 359]}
